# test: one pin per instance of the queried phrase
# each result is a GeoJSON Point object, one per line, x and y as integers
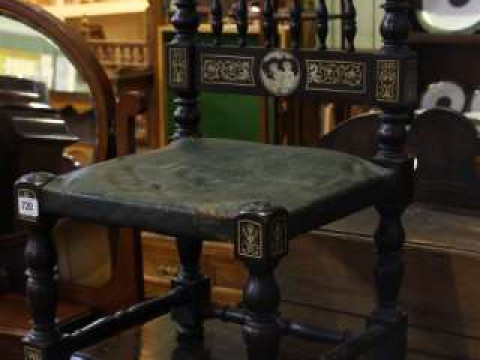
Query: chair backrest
{"type": "Point", "coordinates": [386, 78]}
{"type": "Point", "coordinates": [446, 147]}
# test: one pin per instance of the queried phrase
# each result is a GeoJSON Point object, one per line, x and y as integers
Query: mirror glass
{"type": "Point", "coordinates": [27, 54]}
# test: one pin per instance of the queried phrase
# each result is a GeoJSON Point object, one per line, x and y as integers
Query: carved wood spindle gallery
{"type": "Point", "coordinates": [296, 23]}
{"type": "Point", "coordinates": [185, 19]}
{"type": "Point", "coordinates": [322, 24]}
{"type": "Point", "coordinates": [269, 23]}
{"type": "Point", "coordinates": [390, 235]}
{"type": "Point", "coordinates": [217, 23]}
{"type": "Point", "coordinates": [350, 24]}
{"type": "Point", "coordinates": [242, 22]}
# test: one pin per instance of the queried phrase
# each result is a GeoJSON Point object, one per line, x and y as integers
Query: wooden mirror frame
{"type": "Point", "coordinates": [82, 57]}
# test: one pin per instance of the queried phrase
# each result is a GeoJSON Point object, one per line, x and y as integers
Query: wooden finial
{"type": "Point", "coordinates": [217, 24]}
{"type": "Point", "coordinates": [269, 23]}
{"type": "Point", "coordinates": [395, 25]}
{"type": "Point", "coordinates": [296, 23]}
{"type": "Point", "coordinates": [350, 24]}
{"type": "Point", "coordinates": [242, 21]}
{"type": "Point", "coordinates": [185, 20]}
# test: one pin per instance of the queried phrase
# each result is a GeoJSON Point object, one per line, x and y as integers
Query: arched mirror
{"type": "Point", "coordinates": [35, 45]}
{"type": "Point", "coordinates": [34, 69]}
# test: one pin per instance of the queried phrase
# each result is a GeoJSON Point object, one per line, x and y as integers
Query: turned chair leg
{"type": "Point", "coordinates": [190, 317]}
{"type": "Point", "coordinates": [41, 293]}
{"type": "Point", "coordinates": [260, 243]}
{"type": "Point", "coordinates": [261, 297]}
{"type": "Point", "coordinates": [42, 341]}
{"type": "Point", "coordinates": [388, 275]}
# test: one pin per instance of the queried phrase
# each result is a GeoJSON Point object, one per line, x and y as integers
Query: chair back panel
{"type": "Point", "coordinates": [375, 78]}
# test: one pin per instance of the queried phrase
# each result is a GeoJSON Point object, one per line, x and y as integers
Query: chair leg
{"type": "Point", "coordinates": [261, 241]}
{"type": "Point", "coordinates": [388, 275]}
{"type": "Point", "coordinates": [261, 297]}
{"type": "Point", "coordinates": [41, 293]}
{"type": "Point", "coordinates": [189, 317]}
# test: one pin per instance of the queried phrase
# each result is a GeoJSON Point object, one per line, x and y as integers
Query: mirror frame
{"type": "Point", "coordinates": [82, 57]}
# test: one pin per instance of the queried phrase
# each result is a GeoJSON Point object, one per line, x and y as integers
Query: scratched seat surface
{"type": "Point", "coordinates": [198, 187]}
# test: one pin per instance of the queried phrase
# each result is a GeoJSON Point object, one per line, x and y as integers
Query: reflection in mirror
{"type": "Point", "coordinates": [34, 70]}
{"type": "Point", "coordinates": [36, 74]}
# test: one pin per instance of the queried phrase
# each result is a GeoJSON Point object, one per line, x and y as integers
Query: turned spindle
{"type": "Point", "coordinates": [322, 24]}
{"type": "Point", "coordinates": [350, 24]}
{"type": "Point", "coordinates": [241, 17]}
{"type": "Point", "coordinates": [269, 23]}
{"type": "Point", "coordinates": [296, 23]}
{"type": "Point", "coordinates": [216, 21]}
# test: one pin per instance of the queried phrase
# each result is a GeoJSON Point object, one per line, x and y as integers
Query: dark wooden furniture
{"type": "Point", "coordinates": [445, 145]}
{"type": "Point", "coordinates": [26, 145]}
{"type": "Point", "coordinates": [442, 250]}
{"type": "Point", "coordinates": [28, 128]}
{"type": "Point", "coordinates": [257, 196]}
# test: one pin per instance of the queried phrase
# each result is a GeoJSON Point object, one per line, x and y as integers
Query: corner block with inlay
{"type": "Point", "coordinates": [261, 241]}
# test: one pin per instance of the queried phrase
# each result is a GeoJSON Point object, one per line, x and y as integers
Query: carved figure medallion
{"type": "Point", "coordinates": [280, 73]}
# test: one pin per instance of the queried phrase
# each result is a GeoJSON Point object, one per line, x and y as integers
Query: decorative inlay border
{"type": "Point", "coordinates": [178, 67]}
{"type": "Point", "coordinates": [336, 76]}
{"type": "Point", "coordinates": [388, 81]}
{"type": "Point", "coordinates": [227, 70]}
{"type": "Point", "coordinates": [250, 239]}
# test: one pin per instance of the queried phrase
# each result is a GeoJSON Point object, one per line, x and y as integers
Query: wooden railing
{"type": "Point", "coordinates": [120, 54]}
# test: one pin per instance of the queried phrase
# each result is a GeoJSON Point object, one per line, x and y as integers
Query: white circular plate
{"type": "Point", "coordinates": [444, 94]}
{"type": "Point", "coordinates": [450, 16]}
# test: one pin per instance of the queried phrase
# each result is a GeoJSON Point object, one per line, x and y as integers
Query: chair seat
{"type": "Point", "coordinates": [196, 187]}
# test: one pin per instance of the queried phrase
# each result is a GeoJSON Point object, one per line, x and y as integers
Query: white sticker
{"type": "Point", "coordinates": [27, 204]}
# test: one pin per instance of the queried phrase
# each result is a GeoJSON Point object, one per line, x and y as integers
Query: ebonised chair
{"type": "Point", "coordinates": [257, 196]}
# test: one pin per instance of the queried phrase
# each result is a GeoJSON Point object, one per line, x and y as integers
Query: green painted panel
{"type": "Point", "coordinates": [225, 116]}
{"type": "Point", "coordinates": [230, 116]}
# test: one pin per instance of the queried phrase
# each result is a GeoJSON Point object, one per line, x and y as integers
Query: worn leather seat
{"type": "Point", "coordinates": [199, 186]}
